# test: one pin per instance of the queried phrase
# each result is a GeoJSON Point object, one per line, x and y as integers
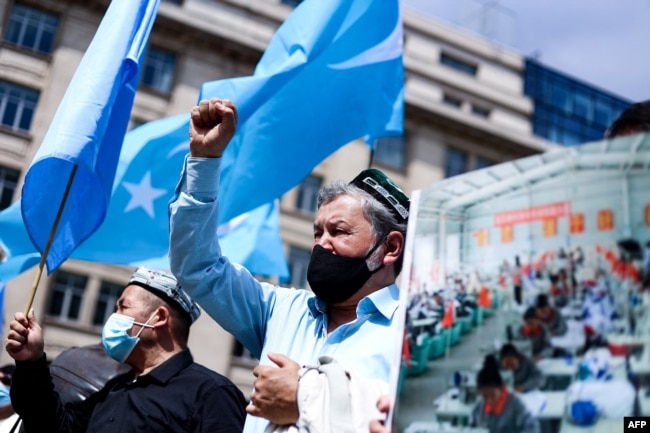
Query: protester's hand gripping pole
{"type": "Point", "coordinates": [50, 239]}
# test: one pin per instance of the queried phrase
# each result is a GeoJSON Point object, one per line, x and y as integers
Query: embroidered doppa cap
{"type": "Point", "coordinates": [378, 185]}
{"type": "Point", "coordinates": [164, 285]}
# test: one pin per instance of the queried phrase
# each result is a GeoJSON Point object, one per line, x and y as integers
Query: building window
{"type": "Point", "coordinates": [480, 112]}
{"type": "Point", "coordinates": [136, 123]}
{"type": "Point", "coordinates": [456, 162]}
{"type": "Point", "coordinates": [482, 163]}
{"type": "Point", "coordinates": [17, 106]}
{"type": "Point", "coordinates": [391, 152]}
{"type": "Point", "coordinates": [583, 107]}
{"type": "Point", "coordinates": [8, 183]}
{"type": "Point", "coordinates": [306, 201]}
{"type": "Point", "coordinates": [31, 28]}
{"type": "Point", "coordinates": [458, 64]}
{"type": "Point", "coordinates": [66, 295]}
{"type": "Point", "coordinates": [566, 110]}
{"type": "Point", "coordinates": [239, 351]}
{"type": "Point", "coordinates": [452, 101]}
{"type": "Point", "coordinates": [298, 263]}
{"type": "Point", "coordinates": [292, 3]}
{"type": "Point", "coordinates": [158, 72]}
{"type": "Point", "coordinates": [109, 293]}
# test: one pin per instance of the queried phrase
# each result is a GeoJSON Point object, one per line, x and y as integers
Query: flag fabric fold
{"type": "Point", "coordinates": [332, 73]}
{"type": "Point", "coordinates": [87, 132]}
{"type": "Point", "coordinates": [136, 230]}
{"type": "Point", "coordinates": [18, 253]}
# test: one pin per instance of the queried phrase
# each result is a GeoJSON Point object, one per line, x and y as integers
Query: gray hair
{"type": "Point", "coordinates": [381, 219]}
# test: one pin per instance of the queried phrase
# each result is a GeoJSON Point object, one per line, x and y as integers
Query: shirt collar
{"type": "Point", "coordinates": [171, 367]}
{"type": "Point", "coordinates": [497, 407]}
{"type": "Point", "coordinates": [385, 301]}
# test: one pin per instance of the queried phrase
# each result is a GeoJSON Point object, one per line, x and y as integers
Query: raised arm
{"type": "Point", "coordinates": [212, 125]}
{"type": "Point", "coordinates": [227, 292]}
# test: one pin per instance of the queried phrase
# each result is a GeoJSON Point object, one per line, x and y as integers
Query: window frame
{"type": "Point", "coordinates": [17, 106]}
{"type": "Point", "coordinates": [395, 154]}
{"type": "Point", "coordinates": [78, 292]}
{"type": "Point", "coordinates": [18, 42]}
{"type": "Point", "coordinates": [307, 194]}
{"type": "Point", "coordinates": [456, 63]}
{"type": "Point", "coordinates": [455, 151]}
{"type": "Point", "coordinates": [7, 193]}
{"type": "Point", "coordinates": [158, 74]}
{"type": "Point", "coordinates": [452, 101]}
{"type": "Point", "coordinates": [109, 299]}
{"type": "Point", "coordinates": [298, 257]}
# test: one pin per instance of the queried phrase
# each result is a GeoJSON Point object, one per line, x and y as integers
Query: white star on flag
{"type": "Point", "coordinates": [143, 195]}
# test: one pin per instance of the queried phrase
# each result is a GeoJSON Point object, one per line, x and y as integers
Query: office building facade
{"type": "Point", "coordinates": [465, 109]}
{"type": "Point", "coordinates": [566, 110]}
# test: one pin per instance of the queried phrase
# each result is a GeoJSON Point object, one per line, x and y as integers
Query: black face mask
{"type": "Point", "coordinates": [335, 278]}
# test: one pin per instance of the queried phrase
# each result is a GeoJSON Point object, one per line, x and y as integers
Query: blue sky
{"type": "Point", "coordinates": [602, 42]}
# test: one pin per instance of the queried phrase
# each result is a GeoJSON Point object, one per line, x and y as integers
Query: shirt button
{"type": "Point", "coordinates": [111, 419]}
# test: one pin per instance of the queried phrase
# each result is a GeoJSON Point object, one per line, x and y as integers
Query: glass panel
{"type": "Point", "coordinates": [8, 183]}
{"type": "Point", "coordinates": [67, 295]}
{"type": "Point", "coordinates": [450, 100]}
{"type": "Point", "coordinates": [457, 64]}
{"type": "Point", "coordinates": [483, 163]}
{"type": "Point", "coordinates": [17, 106]}
{"type": "Point", "coordinates": [31, 28]}
{"type": "Point", "coordinates": [306, 202]}
{"type": "Point", "coordinates": [456, 162]}
{"type": "Point", "coordinates": [292, 3]}
{"type": "Point", "coordinates": [9, 114]}
{"type": "Point", "coordinates": [158, 70]}
{"type": "Point", "coordinates": [109, 293]}
{"type": "Point", "coordinates": [603, 114]}
{"type": "Point", "coordinates": [583, 107]}
{"type": "Point", "coordinates": [298, 262]}
{"type": "Point", "coordinates": [56, 303]}
{"type": "Point", "coordinates": [562, 99]}
{"type": "Point", "coordinates": [480, 112]}
{"type": "Point", "coordinates": [391, 151]}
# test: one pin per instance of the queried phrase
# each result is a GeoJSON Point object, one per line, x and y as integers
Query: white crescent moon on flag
{"type": "Point", "coordinates": [388, 49]}
{"type": "Point", "coordinates": [183, 147]}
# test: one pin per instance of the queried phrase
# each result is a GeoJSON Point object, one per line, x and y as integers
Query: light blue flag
{"type": "Point", "coordinates": [136, 230]}
{"type": "Point", "coordinates": [332, 73]}
{"type": "Point", "coordinates": [3, 288]}
{"type": "Point", "coordinates": [18, 253]}
{"type": "Point", "coordinates": [87, 132]}
{"type": "Point", "coordinates": [252, 240]}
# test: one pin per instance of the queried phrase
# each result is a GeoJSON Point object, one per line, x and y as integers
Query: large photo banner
{"type": "Point", "coordinates": [496, 254]}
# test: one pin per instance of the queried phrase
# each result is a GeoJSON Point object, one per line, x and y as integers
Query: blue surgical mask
{"type": "Point", "coordinates": [5, 400]}
{"type": "Point", "coordinates": [115, 335]}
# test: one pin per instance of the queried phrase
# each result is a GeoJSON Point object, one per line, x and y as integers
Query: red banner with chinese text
{"type": "Point", "coordinates": [605, 220]}
{"type": "Point", "coordinates": [577, 223]}
{"type": "Point", "coordinates": [536, 213]}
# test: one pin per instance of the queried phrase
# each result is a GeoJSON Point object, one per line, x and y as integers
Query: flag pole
{"type": "Point", "coordinates": [372, 154]}
{"type": "Point", "coordinates": [39, 272]}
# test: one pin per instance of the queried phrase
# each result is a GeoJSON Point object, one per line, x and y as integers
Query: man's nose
{"type": "Point", "coordinates": [325, 241]}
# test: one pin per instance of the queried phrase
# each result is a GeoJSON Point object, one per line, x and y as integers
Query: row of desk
{"type": "Point", "coordinates": [449, 407]}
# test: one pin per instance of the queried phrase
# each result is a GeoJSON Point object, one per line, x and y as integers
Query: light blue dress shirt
{"type": "Point", "coordinates": [263, 317]}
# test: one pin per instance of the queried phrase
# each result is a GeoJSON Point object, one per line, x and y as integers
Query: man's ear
{"type": "Point", "coordinates": [161, 317]}
{"type": "Point", "coordinates": [394, 247]}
